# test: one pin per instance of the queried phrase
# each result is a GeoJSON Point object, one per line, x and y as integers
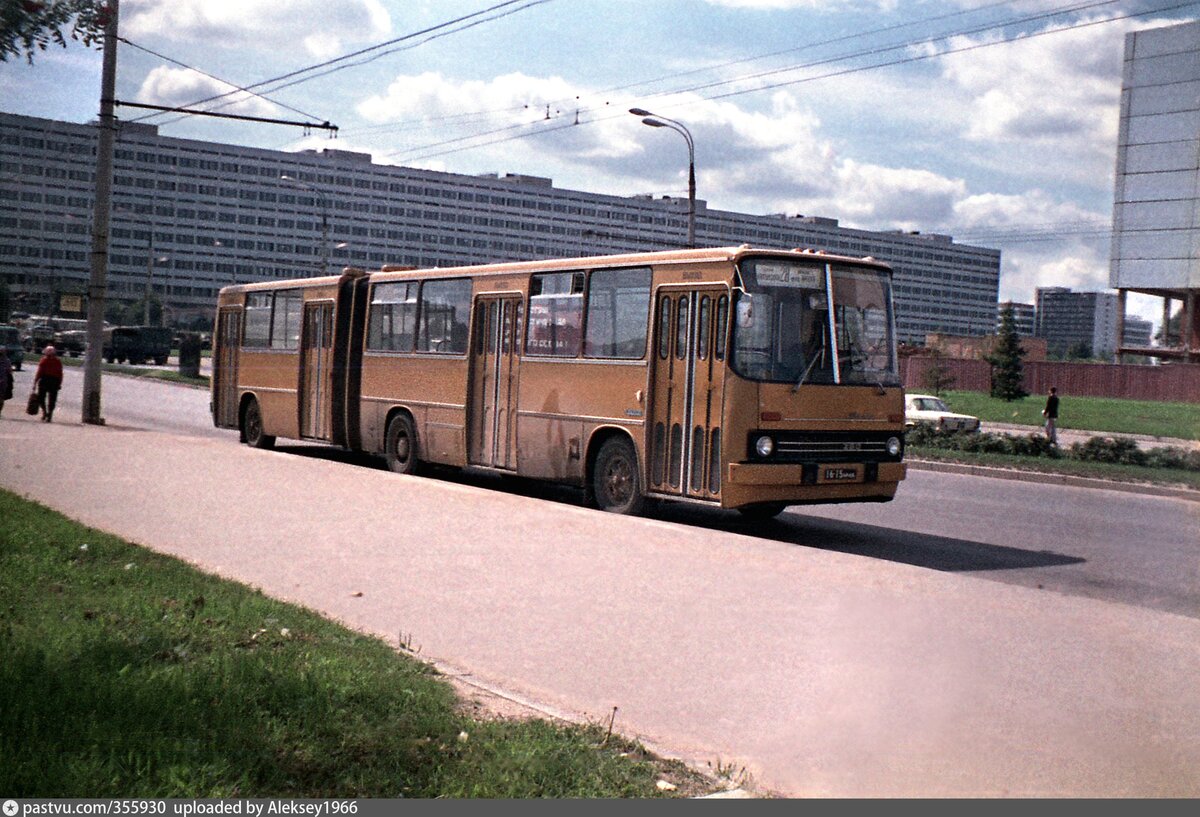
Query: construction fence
{"type": "Point", "coordinates": [1173, 382]}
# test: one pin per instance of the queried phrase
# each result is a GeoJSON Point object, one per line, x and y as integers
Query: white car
{"type": "Point", "coordinates": [925, 408]}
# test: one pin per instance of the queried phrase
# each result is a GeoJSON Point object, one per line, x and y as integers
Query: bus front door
{"type": "Point", "coordinates": [316, 371]}
{"type": "Point", "coordinates": [491, 429]}
{"type": "Point", "coordinates": [225, 368]}
{"type": "Point", "coordinates": [686, 391]}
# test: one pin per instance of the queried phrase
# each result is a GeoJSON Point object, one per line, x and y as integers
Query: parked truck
{"type": "Point", "coordinates": [137, 344]}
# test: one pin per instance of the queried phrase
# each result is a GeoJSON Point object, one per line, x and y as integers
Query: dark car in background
{"type": "Point", "coordinates": [10, 339]}
{"type": "Point", "coordinates": [72, 342]}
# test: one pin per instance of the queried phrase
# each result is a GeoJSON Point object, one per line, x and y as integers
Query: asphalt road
{"type": "Point", "coordinates": [1127, 548]}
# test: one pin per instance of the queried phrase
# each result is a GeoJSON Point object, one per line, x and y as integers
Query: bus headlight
{"type": "Point", "coordinates": [765, 446]}
{"type": "Point", "coordinates": [893, 446]}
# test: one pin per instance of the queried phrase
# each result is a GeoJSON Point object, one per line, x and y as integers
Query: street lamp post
{"type": "Point", "coordinates": [150, 261]}
{"type": "Point", "coordinates": [324, 219]}
{"type": "Point", "coordinates": [656, 121]}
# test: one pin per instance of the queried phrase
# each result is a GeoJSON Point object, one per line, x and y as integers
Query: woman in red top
{"type": "Point", "coordinates": [46, 382]}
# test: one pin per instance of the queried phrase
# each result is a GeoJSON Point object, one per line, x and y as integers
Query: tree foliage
{"type": "Point", "coordinates": [28, 26]}
{"type": "Point", "coordinates": [1007, 359]}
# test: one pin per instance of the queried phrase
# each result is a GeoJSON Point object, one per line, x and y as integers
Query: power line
{"type": "Point", "coordinates": [497, 7]}
{"type": "Point", "coordinates": [843, 72]}
{"type": "Point", "coordinates": [174, 61]}
{"type": "Point", "coordinates": [707, 68]}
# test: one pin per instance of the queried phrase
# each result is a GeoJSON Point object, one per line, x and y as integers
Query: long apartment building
{"type": "Point", "coordinates": [190, 217]}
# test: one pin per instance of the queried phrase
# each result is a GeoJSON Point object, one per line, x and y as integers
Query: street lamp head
{"type": "Point", "coordinates": [640, 112]}
{"type": "Point", "coordinates": [654, 123]}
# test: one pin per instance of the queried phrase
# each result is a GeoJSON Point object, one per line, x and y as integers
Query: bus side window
{"type": "Point", "coordinates": [618, 304]}
{"type": "Point", "coordinates": [664, 327]}
{"type": "Point", "coordinates": [555, 321]}
{"type": "Point", "coordinates": [256, 333]}
{"type": "Point", "coordinates": [392, 323]}
{"type": "Point", "coordinates": [719, 333]}
{"type": "Point", "coordinates": [681, 328]}
{"type": "Point", "coordinates": [445, 310]}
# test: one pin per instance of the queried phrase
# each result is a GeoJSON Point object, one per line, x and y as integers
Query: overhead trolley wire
{"type": "Point", "coordinates": [422, 153]}
{"type": "Point", "coordinates": [297, 75]}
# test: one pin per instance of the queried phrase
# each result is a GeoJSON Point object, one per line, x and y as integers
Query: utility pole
{"type": "Point", "coordinates": [149, 279]}
{"type": "Point", "coordinates": [100, 220]}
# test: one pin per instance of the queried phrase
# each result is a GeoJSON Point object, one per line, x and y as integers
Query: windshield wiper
{"type": "Point", "coordinates": [804, 376]}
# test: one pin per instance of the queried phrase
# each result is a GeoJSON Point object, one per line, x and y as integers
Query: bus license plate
{"type": "Point", "coordinates": [840, 474]}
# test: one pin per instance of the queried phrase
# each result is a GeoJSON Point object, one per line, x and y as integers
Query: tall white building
{"type": "Point", "coordinates": [1156, 230]}
{"type": "Point", "coordinates": [190, 217]}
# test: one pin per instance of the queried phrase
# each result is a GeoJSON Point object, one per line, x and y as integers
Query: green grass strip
{"type": "Point", "coordinates": [1168, 477]}
{"type": "Point", "coordinates": [127, 673]}
{"type": "Point", "coordinates": [1104, 414]}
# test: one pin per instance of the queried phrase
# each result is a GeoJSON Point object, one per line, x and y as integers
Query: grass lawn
{"type": "Point", "coordinates": [124, 673]}
{"type": "Point", "coordinates": [1113, 416]}
{"type": "Point", "coordinates": [170, 375]}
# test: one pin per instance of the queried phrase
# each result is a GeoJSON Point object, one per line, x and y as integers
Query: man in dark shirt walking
{"type": "Point", "coordinates": [1050, 412]}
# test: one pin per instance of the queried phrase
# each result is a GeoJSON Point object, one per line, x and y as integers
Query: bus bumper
{"type": "Point", "coordinates": [811, 483]}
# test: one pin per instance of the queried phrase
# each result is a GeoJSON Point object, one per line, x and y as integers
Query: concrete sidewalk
{"type": "Point", "coordinates": [820, 673]}
{"type": "Point", "coordinates": [1068, 436]}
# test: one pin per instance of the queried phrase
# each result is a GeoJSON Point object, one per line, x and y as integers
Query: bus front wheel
{"type": "Point", "coordinates": [400, 446]}
{"type": "Point", "coordinates": [615, 482]}
{"type": "Point", "coordinates": [252, 427]}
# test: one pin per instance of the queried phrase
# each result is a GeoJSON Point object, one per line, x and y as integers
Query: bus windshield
{"type": "Point", "coordinates": [783, 331]}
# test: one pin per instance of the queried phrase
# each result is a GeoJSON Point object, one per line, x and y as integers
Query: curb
{"type": "Point", "coordinates": [1055, 479]}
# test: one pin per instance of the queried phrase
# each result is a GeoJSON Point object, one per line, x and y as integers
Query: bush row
{"type": "Point", "coordinates": [1121, 450]}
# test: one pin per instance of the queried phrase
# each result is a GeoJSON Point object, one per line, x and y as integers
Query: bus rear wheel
{"type": "Point", "coordinates": [615, 481]}
{"type": "Point", "coordinates": [400, 446]}
{"type": "Point", "coordinates": [252, 427]}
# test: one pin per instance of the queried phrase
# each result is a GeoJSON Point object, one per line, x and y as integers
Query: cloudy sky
{"type": "Point", "coordinates": [995, 122]}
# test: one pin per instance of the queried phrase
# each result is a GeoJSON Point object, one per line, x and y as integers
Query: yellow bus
{"type": "Point", "coordinates": [734, 377]}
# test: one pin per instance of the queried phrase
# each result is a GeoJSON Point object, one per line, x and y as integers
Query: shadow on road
{"type": "Point", "coordinates": [890, 544]}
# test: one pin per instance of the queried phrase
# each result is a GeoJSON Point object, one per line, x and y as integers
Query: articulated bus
{"type": "Point", "coordinates": [734, 377]}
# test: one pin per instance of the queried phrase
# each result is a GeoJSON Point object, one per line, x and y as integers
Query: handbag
{"type": "Point", "coordinates": [32, 404]}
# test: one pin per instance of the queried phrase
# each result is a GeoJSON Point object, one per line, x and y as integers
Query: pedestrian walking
{"type": "Point", "coordinates": [1050, 412]}
{"type": "Point", "coordinates": [46, 382]}
{"type": "Point", "coordinates": [6, 378]}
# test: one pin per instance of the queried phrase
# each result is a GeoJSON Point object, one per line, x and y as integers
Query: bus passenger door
{"type": "Point", "coordinates": [686, 392]}
{"type": "Point", "coordinates": [225, 368]}
{"type": "Point", "coordinates": [316, 371]}
{"type": "Point", "coordinates": [494, 373]}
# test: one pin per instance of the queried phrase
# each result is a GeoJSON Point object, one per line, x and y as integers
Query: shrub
{"type": "Point", "coordinates": [1119, 450]}
{"type": "Point", "coordinates": [1109, 449]}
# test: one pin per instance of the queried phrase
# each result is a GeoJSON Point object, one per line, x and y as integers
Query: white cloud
{"type": "Point", "coordinates": [1057, 94]}
{"type": "Point", "coordinates": [322, 27]}
{"type": "Point", "coordinates": [183, 86]}
{"type": "Point", "coordinates": [769, 5]}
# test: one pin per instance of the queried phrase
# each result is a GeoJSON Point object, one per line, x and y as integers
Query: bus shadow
{"type": "Point", "coordinates": [906, 547]}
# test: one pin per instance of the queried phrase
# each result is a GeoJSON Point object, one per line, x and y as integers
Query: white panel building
{"type": "Point", "coordinates": [1156, 208]}
{"type": "Point", "coordinates": [190, 217]}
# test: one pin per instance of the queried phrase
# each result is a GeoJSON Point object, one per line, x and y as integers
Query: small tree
{"type": "Point", "coordinates": [1006, 360]}
{"type": "Point", "coordinates": [937, 377]}
{"type": "Point", "coordinates": [1080, 350]}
